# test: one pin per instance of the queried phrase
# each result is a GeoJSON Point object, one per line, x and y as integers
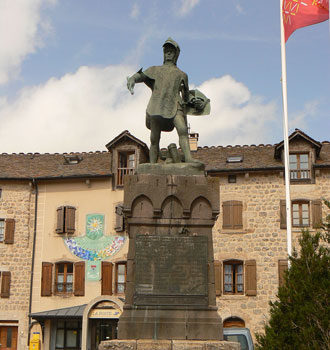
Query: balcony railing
{"type": "Point", "coordinates": [300, 174]}
{"type": "Point", "coordinates": [120, 174]}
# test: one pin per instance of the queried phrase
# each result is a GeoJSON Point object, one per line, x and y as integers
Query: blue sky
{"type": "Point", "coordinates": [64, 63]}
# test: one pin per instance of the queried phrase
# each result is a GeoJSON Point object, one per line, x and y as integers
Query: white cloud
{"type": "Point", "coordinates": [21, 30]}
{"type": "Point", "coordinates": [135, 11]}
{"type": "Point", "coordinates": [84, 110]}
{"type": "Point", "coordinates": [239, 9]}
{"type": "Point", "coordinates": [300, 119]}
{"type": "Point", "coordinates": [185, 6]}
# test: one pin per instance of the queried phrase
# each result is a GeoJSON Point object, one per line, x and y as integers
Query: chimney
{"type": "Point", "coordinates": [193, 141]}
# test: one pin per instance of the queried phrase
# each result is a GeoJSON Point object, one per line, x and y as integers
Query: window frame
{"type": "Point", "coordinates": [68, 328]}
{"type": "Point", "coordinates": [300, 203]}
{"type": "Point", "coordinates": [117, 283]}
{"type": "Point", "coordinates": [299, 171]}
{"type": "Point", "coordinates": [2, 230]}
{"type": "Point", "coordinates": [125, 170]}
{"type": "Point", "coordinates": [235, 264]}
{"type": "Point", "coordinates": [65, 275]}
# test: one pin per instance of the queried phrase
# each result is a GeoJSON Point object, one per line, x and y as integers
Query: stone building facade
{"type": "Point", "coordinates": [78, 271]}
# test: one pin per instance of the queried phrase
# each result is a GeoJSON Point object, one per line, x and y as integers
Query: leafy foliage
{"type": "Point", "coordinates": [299, 318]}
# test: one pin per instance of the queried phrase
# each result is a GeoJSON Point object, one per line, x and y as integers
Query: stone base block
{"type": "Point", "coordinates": [144, 344]}
{"type": "Point", "coordinates": [170, 324]}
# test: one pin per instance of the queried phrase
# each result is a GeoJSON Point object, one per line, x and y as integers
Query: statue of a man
{"type": "Point", "coordinates": [169, 100]}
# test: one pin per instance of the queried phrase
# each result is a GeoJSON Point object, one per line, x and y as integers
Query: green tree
{"type": "Point", "coordinates": [299, 318]}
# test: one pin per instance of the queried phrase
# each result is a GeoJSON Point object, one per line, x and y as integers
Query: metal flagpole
{"type": "Point", "coordinates": [286, 138]}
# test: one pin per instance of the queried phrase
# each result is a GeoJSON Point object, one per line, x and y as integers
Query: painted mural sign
{"type": "Point", "coordinates": [94, 246]}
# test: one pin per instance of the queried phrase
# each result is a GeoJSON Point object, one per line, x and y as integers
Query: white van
{"type": "Point", "coordinates": [239, 335]}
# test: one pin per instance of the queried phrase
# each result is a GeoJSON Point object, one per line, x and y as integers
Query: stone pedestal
{"type": "Point", "coordinates": [168, 345]}
{"type": "Point", "coordinates": [170, 292]}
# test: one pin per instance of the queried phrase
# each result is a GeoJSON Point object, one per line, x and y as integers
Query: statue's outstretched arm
{"type": "Point", "coordinates": [138, 77]}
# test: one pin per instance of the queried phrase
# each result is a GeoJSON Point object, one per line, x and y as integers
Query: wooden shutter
{"type": "Point", "coordinates": [5, 284]}
{"type": "Point", "coordinates": [70, 219]}
{"type": "Point", "coordinates": [217, 276]}
{"type": "Point", "coordinates": [317, 213]}
{"type": "Point", "coordinates": [106, 285]}
{"type": "Point", "coordinates": [227, 215]}
{"type": "Point", "coordinates": [119, 218]}
{"type": "Point", "coordinates": [79, 278]}
{"type": "Point", "coordinates": [250, 278]}
{"type": "Point", "coordinates": [237, 210]}
{"type": "Point", "coordinates": [9, 231]}
{"type": "Point", "coordinates": [60, 220]}
{"type": "Point", "coordinates": [46, 279]}
{"type": "Point", "coordinates": [283, 214]}
{"type": "Point", "coordinates": [282, 267]}
{"type": "Point", "coordinates": [232, 215]}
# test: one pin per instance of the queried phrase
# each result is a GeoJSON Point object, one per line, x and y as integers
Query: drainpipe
{"type": "Point", "coordinates": [35, 184]}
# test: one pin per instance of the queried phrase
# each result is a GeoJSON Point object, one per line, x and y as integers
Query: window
{"type": "Point", "coordinates": [300, 214]}
{"type": "Point", "coordinates": [69, 278]}
{"type": "Point", "coordinates": [65, 219]}
{"type": "Point", "coordinates": [299, 167]}
{"type": "Point", "coordinates": [7, 230]}
{"type": "Point", "coordinates": [68, 334]}
{"type": "Point", "coordinates": [120, 222]}
{"type": "Point", "coordinates": [2, 230]}
{"type": "Point", "coordinates": [120, 282]}
{"type": "Point", "coordinates": [231, 179]}
{"type": "Point", "coordinates": [126, 166]}
{"type": "Point", "coordinates": [64, 278]}
{"type": "Point", "coordinates": [235, 159]}
{"type": "Point", "coordinates": [232, 215]}
{"type": "Point", "coordinates": [72, 159]}
{"type": "Point", "coordinates": [233, 277]}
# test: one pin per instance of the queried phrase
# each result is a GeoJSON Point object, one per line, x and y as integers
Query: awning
{"type": "Point", "coordinates": [67, 312]}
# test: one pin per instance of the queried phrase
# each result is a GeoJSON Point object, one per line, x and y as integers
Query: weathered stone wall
{"type": "Point", "coordinates": [17, 202]}
{"type": "Point", "coordinates": [261, 237]}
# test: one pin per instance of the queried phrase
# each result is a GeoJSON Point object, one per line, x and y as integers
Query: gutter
{"type": "Point", "coordinates": [57, 177]}
{"type": "Point", "coordinates": [34, 181]}
{"type": "Point", "coordinates": [241, 170]}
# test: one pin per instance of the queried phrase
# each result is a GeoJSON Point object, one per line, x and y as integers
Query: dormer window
{"type": "Point", "coordinates": [72, 159]}
{"type": "Point", "coordinates": [299, 166]}
{"type": "Point", "coordinates": [235, 159]}
{"type": "Point", "coordinates": [126, 165]}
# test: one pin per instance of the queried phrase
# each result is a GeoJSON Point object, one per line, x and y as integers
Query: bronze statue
{"type": "Point", "coordinates": [170, 101]}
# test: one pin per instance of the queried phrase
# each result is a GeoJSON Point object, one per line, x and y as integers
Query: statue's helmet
{"type": "Point", "coordinates": [170, 41]}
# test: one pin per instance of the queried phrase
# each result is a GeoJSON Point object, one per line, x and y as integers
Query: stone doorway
{"type": "Point", "coordinates": [8, 338]}
{"type": "Point", "coordinates": [103, 329]}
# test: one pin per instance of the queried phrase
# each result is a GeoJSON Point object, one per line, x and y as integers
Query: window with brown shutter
{"type": "Point", "coordinates": [79, 278]}
{"type": "Point", "coordinates": [233, 277]}
{"type": "Point", "coordinates": [217, 276]}
{"type": "Point", "coordinates": [317, 213]}
{"type": "Point", "coordinates": [65, 219]}
{"type": "Point", "coordinates": [250, 278]}
{"type": "Point", "coordinates": [282, 267]}
{"type": "Point", "coordinates": [9, 231]}
{"type": "Point", "coordinates": [5, 284]}
{"type": "Point", "coordinates": [63, 277]}
{"type": "Point", "coordinates": [106, 285]}
{"type": "Point", "coordinates": [232, 215]}
{"type": "Point", "coordinates": [46, 279]}
{"type": "Point", "coordinates": [119, 218]}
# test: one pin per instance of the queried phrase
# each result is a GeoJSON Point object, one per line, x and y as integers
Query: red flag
{"type": "Point", "coordinates": [302, 13]}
